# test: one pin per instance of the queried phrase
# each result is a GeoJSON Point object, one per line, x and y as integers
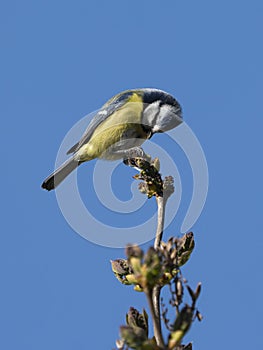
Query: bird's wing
{"type": "Point", "coordinates": [111, 106]}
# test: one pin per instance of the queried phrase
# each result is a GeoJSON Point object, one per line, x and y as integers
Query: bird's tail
{"type": "Point", "coordinates": [54, 179]}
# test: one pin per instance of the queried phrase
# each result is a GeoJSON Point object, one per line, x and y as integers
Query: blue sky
{"type": "Point", "coordinates": [61, 60]}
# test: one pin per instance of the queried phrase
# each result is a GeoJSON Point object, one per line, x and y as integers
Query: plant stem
{"type": "Point", "coordinates": [156, 320]}
{"type": "Point", "coordinates": [155, 295]}
{"type": "Point", "coordinates": [161, 202]}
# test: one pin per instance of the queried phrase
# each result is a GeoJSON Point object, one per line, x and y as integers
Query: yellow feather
{"type": "Point", "coordinates": [111, 130]}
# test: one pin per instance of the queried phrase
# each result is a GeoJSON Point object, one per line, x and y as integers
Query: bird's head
{"type": "Point", "coordinates": [162, 112]}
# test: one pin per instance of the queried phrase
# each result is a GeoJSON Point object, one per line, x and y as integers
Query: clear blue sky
{"type": "Point", "coordinates": [61, 60]}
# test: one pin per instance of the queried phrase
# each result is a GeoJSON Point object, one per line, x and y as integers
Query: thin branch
{"type": "Point", "coordinates": [161, 202]}
{"type": "Point", "coordinates": [156, 320]}
{"type": "Point", "coordinates": [157, 289]}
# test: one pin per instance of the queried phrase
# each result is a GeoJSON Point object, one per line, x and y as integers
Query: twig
{"type": "Point", "coordinates": [157, 289]}
{"type": "Point", "coordinates": [161, 202]}
{"type": "Point", "coordinates": [153, 185]}
{"type": "Point", "coordinates": [156, 319]}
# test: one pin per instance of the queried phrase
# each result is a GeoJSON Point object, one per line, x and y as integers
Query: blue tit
{"type": "Point", "coordinates": [123, 123]}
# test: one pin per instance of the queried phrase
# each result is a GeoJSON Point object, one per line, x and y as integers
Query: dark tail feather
{"type": "Point", "coordinates": [53, 180]}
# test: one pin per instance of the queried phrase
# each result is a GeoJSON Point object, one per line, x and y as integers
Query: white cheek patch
{"type": "Point", "coordinates": [150, 113]}
{"type": "Point", "coordinates": [167, 119]}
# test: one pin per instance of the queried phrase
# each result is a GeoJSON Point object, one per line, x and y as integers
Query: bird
{"type": "Point", "coordinates": [119, 128]}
